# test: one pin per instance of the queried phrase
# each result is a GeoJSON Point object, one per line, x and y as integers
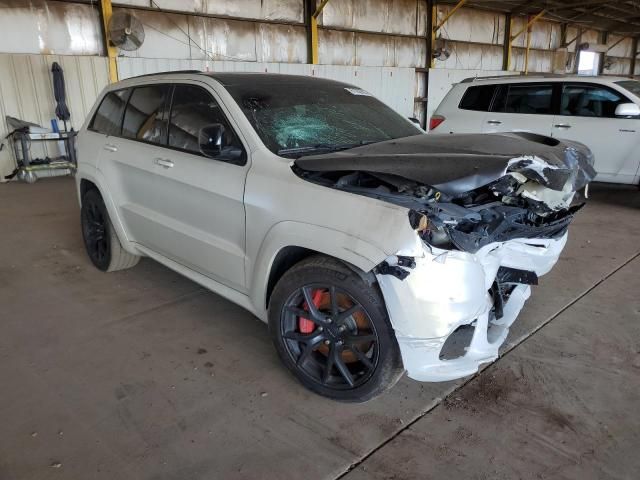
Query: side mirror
{"type": "Point", "coordinates": [627, 110]}
{"type": "Point", "coordinates": [211, 140]}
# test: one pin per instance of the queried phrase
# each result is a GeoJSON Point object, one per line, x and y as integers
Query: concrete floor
{"type": "Point", "coordinates": [144, 375]}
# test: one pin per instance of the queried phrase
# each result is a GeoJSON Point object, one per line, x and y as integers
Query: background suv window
{"type": "Point", "coordinates": [108, 118]}
{"type": "Point", "coordinates": [590, 101]}
{"type": "Point", "coordinates": [524, 98]}
{"type": "Point", "coordinates": [144, 118]}
{"type": "Point", "coordinates": [477, 98]}
{"type": "Point", "coordinates": [193, 108]}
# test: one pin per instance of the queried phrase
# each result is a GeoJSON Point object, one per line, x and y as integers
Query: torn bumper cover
{"type": "Point", "coordinates": [448, 289]}
{"type": "Point", "coordinates": [491, 214]}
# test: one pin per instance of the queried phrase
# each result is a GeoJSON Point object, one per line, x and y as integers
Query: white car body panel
{"type": "Point", "coordinates": [448, 289]}
{"type": "Point", "coordinates": [613, 141]}
{"type": "Point", "coordinates": [222, 226]}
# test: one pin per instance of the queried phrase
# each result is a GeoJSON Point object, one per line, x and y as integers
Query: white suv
{"type": "Point", "coordinates": [601, 112]}
{"type": "Point", "coordinates": [368, 246]}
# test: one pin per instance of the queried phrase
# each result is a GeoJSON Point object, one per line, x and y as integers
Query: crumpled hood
{"type": "Point", "coordinates": [458, 163]}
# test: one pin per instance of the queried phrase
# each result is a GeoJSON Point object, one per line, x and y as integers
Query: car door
{"type": "Point", "coordinates": [128, 160]}
{"type": "Point", "coordinates": [200, 198]}
{"type": "Point", "coordinates": [587, 115]}
{"type": "Point", "coordinates": [521, 107]}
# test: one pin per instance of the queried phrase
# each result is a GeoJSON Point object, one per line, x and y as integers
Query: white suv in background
{"type": "Point", "coordinates": [601, 112]}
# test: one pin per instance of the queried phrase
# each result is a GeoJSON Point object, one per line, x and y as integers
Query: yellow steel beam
{"type": "Point", "coordinates": [526, 28]}
{"type": "Point", "coordinates": [434, 17]}
{"type": "Point", "coordinates": [314, 31]}
{"type": "Point", "coordinates": [438, 26]}
{"type": "Point", "coordinates": [529, 24]}
{"type": "Point", "coordinates": [448, 15]}
{"type": "Point", "coordinates": [112, 51]}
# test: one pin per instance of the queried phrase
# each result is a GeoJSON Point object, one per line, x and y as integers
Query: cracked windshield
{"type": "Point", "coordinates": [307, 118]}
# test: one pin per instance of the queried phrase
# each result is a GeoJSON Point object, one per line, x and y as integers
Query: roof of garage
{"type": "Point", "coordinates": [619, 16]}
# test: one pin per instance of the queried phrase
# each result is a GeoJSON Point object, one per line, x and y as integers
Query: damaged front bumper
{"type": "Point", "coordinates": [449, 289]}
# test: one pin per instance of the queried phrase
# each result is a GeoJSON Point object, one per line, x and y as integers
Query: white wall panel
{"type": "Point", "coordinates": [26, 92]}
{"type": "Point", "coordinates": [57, 28]}
{"type": "Point", "coordinates": [181, 37]}
{"type": "Point", "coordinates": [283, 10]}
{"type": "Point", "coordinates": [618, 66]}
{"type": "Point", "coordinates": [385, 16]}
{"type": "Point", "coordinates": [471, 56]}
{"type": "Point", "coordinates": [471, 25]}
{"type": "Point", "coordinates": [622, 49]}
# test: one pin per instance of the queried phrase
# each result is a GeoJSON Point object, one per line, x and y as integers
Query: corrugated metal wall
{"type": "Point", "coordinates": [26, 92]}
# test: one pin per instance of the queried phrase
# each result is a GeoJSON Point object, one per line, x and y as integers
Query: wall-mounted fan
{"type": "Point", "coordinates": [126, 31]}
{"type": "Point", "coordinates": [609, 63]}
{"type": "Point", "coordinates": [440, 51]}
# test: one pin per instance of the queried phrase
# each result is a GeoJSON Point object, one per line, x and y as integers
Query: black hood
{"type": "Point", "coordinates": [462, 162]}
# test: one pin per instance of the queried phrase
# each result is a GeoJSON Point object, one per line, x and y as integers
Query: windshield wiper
{"type": "Point", "coordinates": [321, 147]}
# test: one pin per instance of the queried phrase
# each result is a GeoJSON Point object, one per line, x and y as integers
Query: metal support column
{"type": "Point", "coordinates": [506, 43]}
{"type": "Point", "coordinates": [112, 52]}
{"type": "Point", "coordinates": [439, 25]}
{"type": "Point", "coordinates": [313, 26]}
{"type": "Point", "coordinates": [526, 28]}
{"type": "Point", "coordinates": [634, 57]}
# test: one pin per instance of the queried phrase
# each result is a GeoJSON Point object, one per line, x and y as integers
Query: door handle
{"type": "Point", "coordinates": [627, 130]}
{"type": "Point", "coordinates": [562, 125]}
{"type": "Point", "coordinates": [494, 122]}
{"type": "Point", "coordinates": [163, 162]}
{"type": "Point", "coordinates": [110, 148]}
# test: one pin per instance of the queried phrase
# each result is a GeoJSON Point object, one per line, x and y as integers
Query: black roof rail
{"type": "Point", "coordinates": [165, 73]}
{"type": "Point", "coordinates": [515, 75]}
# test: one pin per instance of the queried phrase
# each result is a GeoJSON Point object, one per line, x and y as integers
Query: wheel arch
{"type": "Point", "coordinates": [288, 243]}
{"type": "Point", "coordinates": [85, 181]}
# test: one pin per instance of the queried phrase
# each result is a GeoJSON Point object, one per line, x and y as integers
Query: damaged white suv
{"type": "Point", "coordinates": [369, 247]}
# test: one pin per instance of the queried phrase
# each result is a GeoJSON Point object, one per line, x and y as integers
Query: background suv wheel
{"type": "Point", "coordinates": [331, 329]}
{"type": "Point", "coordinates": [100, 239]}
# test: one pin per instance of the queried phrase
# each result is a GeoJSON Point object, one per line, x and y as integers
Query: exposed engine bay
{"type": "Point", "coordinates": [491, 213]}
{"type": "Point", "coordinates": [493, 198]}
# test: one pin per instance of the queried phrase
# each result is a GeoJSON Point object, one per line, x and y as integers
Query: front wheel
{"type": "Point", "coordinates": [331, 329]}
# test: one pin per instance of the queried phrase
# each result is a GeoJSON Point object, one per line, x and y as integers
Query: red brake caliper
{"type": "Point", "coordinates": [304, 324]}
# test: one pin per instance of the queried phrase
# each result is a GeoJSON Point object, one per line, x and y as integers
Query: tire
{"type": "Point", "coordinates": [347, 327]}
{"type": "Point", "coordinates": [100, 239]}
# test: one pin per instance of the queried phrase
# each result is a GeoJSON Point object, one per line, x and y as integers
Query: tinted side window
{"type": "Point", "coordinates": [193, 108]}
{"type": "Point", "coordinates": [145, 118]}
{"type": "Point", "coordinates": [108, 117]}
{"type": "Point", "coordinates": [524, 98]}
{"type": "Point", "coordinates": [478, 98]}
{"type": "Point", "coordinates": [590, 101]}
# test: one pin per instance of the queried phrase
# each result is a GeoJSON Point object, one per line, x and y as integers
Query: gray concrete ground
{"type": "Point", "coordinates": [144, 375]}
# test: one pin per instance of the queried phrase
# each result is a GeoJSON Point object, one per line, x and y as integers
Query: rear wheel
{"type": "Point", "coordinates": [100, 239]}
{"type": "Point", "coordinates": [331, 330]}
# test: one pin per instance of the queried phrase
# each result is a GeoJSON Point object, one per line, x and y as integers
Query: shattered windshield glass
{"type": "Point", "coordinates": [313, 117]}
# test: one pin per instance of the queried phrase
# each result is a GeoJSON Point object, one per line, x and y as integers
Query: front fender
{"type": "Point", "coordinates": [334, 243]}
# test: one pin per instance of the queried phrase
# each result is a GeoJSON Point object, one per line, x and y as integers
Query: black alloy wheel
{"type": "Point", "coordinates": [330, 326]}
{"type": "Point", "coordinates": [330, 336]}
{"type": "Point", "coordinates": [95, 230]}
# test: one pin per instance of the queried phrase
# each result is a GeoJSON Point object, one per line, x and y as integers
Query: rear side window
{"type": "Point", "coordinates": [524, 98]}
{"type": "Point", "coordinates": [193, 108]}
{"type": "Point", "coordinates": [108, 117]}
{"type": "Point", "coordinates": [145, 117]}
{"type": "Point", "coordinates": [477, 98]}
{"type": "Point", "coordinates": [590, 101]}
